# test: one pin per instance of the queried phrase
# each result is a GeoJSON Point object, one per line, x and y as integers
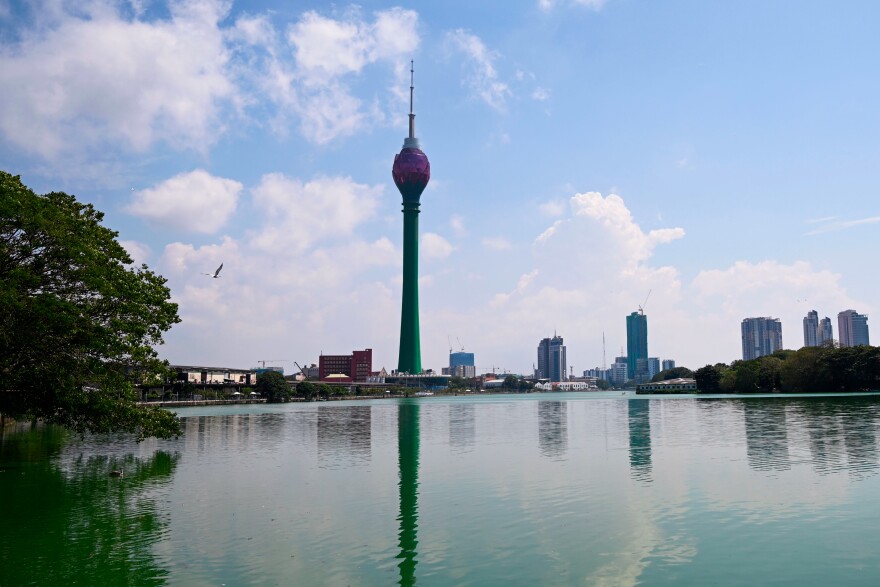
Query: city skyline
{"type": "Point", "coordinates": [574, 172]}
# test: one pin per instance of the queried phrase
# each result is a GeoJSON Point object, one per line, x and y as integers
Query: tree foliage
{"type": "Point", "coordinates": [272, 386]}
{"type": "Point", "coordinates": [79, 324]}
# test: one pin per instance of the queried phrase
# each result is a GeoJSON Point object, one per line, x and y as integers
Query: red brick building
{"type": "Point", "coordinates": [358, 365]}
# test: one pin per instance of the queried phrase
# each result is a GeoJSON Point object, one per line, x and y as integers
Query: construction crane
{"type": "Point", "coordinates": [459, 344]}
{"type": "Point", "coordinates": [271, 361]}
{"type": "Point", "coordinates": [645, 303]}
{"type": "Point", "coordinates": [301, 370]}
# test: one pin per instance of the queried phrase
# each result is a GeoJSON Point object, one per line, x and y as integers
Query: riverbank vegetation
{"type": "Point", "coordinates": [78, 322]}
{"type": "Point", "coordinates": [808, 370]}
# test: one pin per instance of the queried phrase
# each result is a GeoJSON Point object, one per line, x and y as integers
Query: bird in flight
{"type": "Point", "coordinates": [216, 273]}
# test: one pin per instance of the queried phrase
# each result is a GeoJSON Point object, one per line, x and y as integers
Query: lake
{"type": "Point", "coordinates": [539, 489]}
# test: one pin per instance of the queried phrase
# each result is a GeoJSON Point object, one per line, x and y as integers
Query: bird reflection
{"type": "Point", "coordinates": [553, 428]}
{"type": "Point", "coordinates": [408, 459]}
{"type": "Point", "coordinates": [640, 439]}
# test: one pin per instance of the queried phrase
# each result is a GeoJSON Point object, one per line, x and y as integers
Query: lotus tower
{"type": "Point", "coordinates": [411, 173]}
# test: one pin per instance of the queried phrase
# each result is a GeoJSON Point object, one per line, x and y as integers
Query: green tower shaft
{"type": "Point", "coordinates": [410, 356]}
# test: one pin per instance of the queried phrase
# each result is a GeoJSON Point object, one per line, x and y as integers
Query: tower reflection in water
{"type": "Point", "coordinates": [640, 439]}
{"type": "Point", "coordinates": [552, 428]}
{"type": "Point", "coordinates": [408, 460]}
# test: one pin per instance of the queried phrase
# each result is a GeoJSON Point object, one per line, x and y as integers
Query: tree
{"type": "Point", "coordinates": [272, 386]}
{"type": "Point", "coordinates": [510, 382]}
{"type": "Point", "coordinates": [673, 373]}
{"type": "Point", "coordinates": [307, 389]}
{"type": "Point", "coordinates": [603, 384]}
{"type": "Point", "coordinates": [708, 378]}
{"type": "Point", "coordinates": [79, 324]}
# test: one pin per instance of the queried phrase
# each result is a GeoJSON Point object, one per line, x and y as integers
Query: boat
{"type": "Point", "coordinates": [423, 393]}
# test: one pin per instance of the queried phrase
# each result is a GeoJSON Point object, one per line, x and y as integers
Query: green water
{"type": "Point", "coordinates": [549, 489]}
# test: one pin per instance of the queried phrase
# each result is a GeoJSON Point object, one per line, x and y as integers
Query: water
{"type": "Point", "coordinates": [550, 489]}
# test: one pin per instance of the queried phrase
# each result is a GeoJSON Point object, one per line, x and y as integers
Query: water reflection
{"type": "Point", "coordinates": [88, 525]}
{"type": "Point", "coordinates": [344, 435]}
{"type": "Point", "coordinates": [639, 412]}
{"type": "Point", "coordinates": [841, 433]}
{"type": "Point", "coordinates": [462, 426]}
{"type": "Point", "coordinates": [408, 461]}
{"type": "Point", "coordinates": [553, 428]}
{"type": "Point", "coordinates": [766, 429]}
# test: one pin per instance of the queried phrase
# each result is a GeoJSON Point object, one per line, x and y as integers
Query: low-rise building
{"type": "Point", "coordinates": [680, 385]}
{"type": "Point", "coordinates": [213, 375]}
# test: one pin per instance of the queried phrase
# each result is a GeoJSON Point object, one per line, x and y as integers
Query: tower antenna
{"type": "Point", "coordinates": [412, 116]}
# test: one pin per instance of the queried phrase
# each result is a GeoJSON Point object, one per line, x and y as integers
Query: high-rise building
{"type": "Point", "coordinates": [653, 366]}
{"type": "Point", "coordinates": [411, 172]}
{"type": "Point", "coordinates": [811, 328]}
{"type": "Point", "coordinates": [618, 373]}
{"type": "Point", "coordinates": [668, 364]}
{"type": "Point", "coordinates": [826, 332]}
{"type": "Point", "coordinates": [852, 328]}
{"type": "Point", "coordinates": [637, 346]}
{"type": "Point", "coordinates": [761, 337]}
{"type": "Point", "coordinates": [461, 364]}
{"type": "Point", "coordinates": [358, 365]}
{"type": "Point", "coordinates": [551, 359]}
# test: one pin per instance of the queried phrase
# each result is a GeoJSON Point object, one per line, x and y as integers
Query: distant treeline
{"type": "Point", "coordinates": [808, 370]}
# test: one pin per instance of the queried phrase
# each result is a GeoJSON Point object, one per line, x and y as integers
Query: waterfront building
{"type": "Point", "coordinates": [680, 385]}
{"type": "Point", "coordinates": [811, 328]}
{"type": "Point", "coordinates": [760, 337]}
{"type": "Point", "coordinates": [213, 375]}
{"type": "Point", "coordinates": [596, 373]}
{"type": "Point", "coordinates": [668, 364]}
{"type": "Point", "coordinates": [358, 366]}
{"type": "Point", "coordinates": [852, 328]}
{"type": "Point", "coordinates": [411, 173]}
{"type": "Point", "coordinates": [461, 364]}
{"type": "Point", "coordinates": [653, 366]}
{"type": "Point", "coordinates": [552, 363]}
{"type": "Point", "coordinates": [826, 332]}
{"type": "Point", "coordinates": [618, 373]}
{"type": "Point", "coordinates": [637, 346]}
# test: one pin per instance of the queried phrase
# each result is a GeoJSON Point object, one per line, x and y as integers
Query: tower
{"type": "Point", "coordinates": [637, 346]}
{"type": "Point", "coordinates": [811, 328]}
{"type": "Point", "coordinates": [411, 173]}
{"type": "Point", "coordinates": [760, 337]}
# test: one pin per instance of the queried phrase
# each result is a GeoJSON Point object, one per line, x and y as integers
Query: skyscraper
{"type": "Point", "coordinates": [826, 332]}
{"type": "Point", "coordinates": [653, 366]}
{"type": "Point", "coordinates": [668, 364]}
{"type": "Point", "coordinates": [761, 337]}
{"type": "Point", "coordinates": [411, 172]}
{"type": "Point", "coordinates": [811, 328]}
{"type": "Point", "coordinates": [461, 364]}
{"type": "Point", "coordinates": [852, 328]}
{"type": "Point", "coordinates": [637, 346]}
{"type": "Point", "coordinates": [552, 363]}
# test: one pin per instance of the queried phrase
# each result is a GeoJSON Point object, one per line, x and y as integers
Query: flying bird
{"type": "Point", "coordinates": [216, 273]}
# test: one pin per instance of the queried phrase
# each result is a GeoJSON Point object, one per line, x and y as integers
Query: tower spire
{"type": "Point", "coordinates": [412, 116]}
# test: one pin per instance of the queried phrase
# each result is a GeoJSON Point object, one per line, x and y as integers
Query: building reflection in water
{"type": "Point", "coordinates": [552, 428]}
{"type": "Point", "coordinates": [766, 434]}
{"type": "Point", "coordinates": [841, 433]}
{"type": "Point", "coordinates": [462, 426]}
{"type": "Point", "coordinates": [344, 435]}
{"type": "Point", "coordinates": [408, 460]}
{"type": "Point", "coordinates": [639, 412]}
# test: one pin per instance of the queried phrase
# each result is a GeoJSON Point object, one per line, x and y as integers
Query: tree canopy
{"type": "Point", "coordinates": [79, 323]}
{"type": "Point", "coordinates": [674, 373]}
{"type": "Point", "coordinates": [272, 386]}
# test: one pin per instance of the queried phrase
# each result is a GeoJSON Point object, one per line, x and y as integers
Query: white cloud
{"type": "Point", "coordinates": [541, 94]}
{"type": "Point", "coordinates": [434, 246]}
{"type": "Point", "coordinates": [196, 201]}
{"type": "Point", "coordinates": [325, 208]}
{"type": "Point", "coordinates": [592, 4]}
{"type": "Point", "coordinates": [139, 252]}
{"type": "Point", "coordinates": [456, 222]}
{"type": "Point", "coordinates": [95, 79]}
{"type": "Point", "coordinates": [831, 225]}
{"type": "Point", "coordinates": [496, 243]}
{"type": "Point", "coordinates": [482, 78]}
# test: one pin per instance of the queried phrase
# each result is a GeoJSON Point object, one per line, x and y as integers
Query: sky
{"type": "Point", "coordinates": [707, 160]}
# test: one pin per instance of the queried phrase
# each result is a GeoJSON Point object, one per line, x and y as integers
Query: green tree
{"type": "Point", "coordinates": [708, 378]}
{"type": "Point", "coordinates": [306, 389]}
{"type": "Point", "coordinates": [79, 324]}
{"type": "Point", "coordinates": [510, 382]}
{"type": "Point", "coordinates": [603, 384]}
{"type": "Point", "coordinates": [272, 386]}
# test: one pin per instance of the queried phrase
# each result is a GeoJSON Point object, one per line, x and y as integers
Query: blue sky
{"type": "Point", "coordinates": [722, 155]}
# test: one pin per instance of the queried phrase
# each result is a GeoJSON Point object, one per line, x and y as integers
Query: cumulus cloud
{"type": "Point", "coordinates": [456, 223]}
{"type": "Point", "coordinates": [481, 77]}
{"type": "Point", "coordinates": [304, 213]}
{"type": "Point", "coordinates": [139, 252]}
{"type": "Point", "coordinates": [95, 78]}
{"type": "Point", "coordinates": [196, 201]}
{"type": "Point", "coordinates": [435, 246]}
